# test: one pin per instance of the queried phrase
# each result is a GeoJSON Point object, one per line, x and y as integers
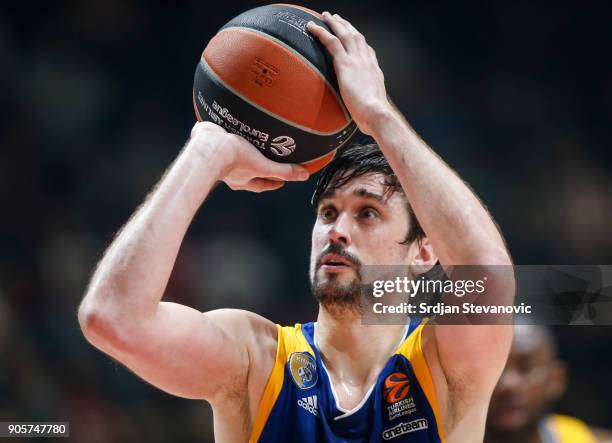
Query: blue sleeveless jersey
{"type": "Point", "coordinates": [299, 404]}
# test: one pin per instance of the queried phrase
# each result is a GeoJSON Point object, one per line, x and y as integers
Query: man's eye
{"type": "Point", "coordinates": [368, 213]}
{"type": "Point", "coordinates": [526, 366]}
{"type": "Point", "coordinates": [328, 213]}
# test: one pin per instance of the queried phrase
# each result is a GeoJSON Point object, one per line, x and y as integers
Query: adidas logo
{"type": "Point", "coordinates": [310, 404]}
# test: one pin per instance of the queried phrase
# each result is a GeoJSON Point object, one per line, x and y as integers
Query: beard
{"type": "Point", "coordinates": [335, 292]}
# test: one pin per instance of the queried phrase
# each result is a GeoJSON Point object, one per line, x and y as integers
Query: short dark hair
{"type": "Point", "coordinates": [357, 160]}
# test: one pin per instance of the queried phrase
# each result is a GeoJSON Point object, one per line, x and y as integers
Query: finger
{"type": "Point", "coordinates": [330, 41]}
{"type": "Point", "coordinates": [348, 25]}
{"type": "Point", "coordinates": [356, 37]}
{"type": "Point", "coordinates": [372, 52]}
{"type": "Point", "coordinates": [264, 167]}
{"type": "Point", "coordinates": [210, 126]}
{"type": "Point", "coordinates": [284, 171]}
{"type": "Point", "coordinates": [374, 56]}
{"type": "Point", "coordinates": [263, 185]}
{"type": "Point", "coordinates": [338, 29]}
{"type": "Point", "coordinates": [206, 126]}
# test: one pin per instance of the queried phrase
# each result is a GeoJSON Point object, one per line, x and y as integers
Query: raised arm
{"type": "Point", "coordinates": [174, 347]}
{"type": "Point", "coordinates": [456, 223]}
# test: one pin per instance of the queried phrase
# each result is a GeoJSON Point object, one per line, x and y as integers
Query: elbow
{"type": "Point", "coordinates": [100, 326]}
{"type": "Point", "coordinates": [111, 328]}
{"type": "Point", "coordinates": [93, 322]}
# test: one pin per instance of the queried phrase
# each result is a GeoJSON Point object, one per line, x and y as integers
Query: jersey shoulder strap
{"type": "Point", "coordinates": [412, 349]}
{"type": "Point", "coordinates": [290, 340]}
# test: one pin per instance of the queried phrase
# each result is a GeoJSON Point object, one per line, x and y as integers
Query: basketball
{"type": "Point", "coordinates": [265, 78]}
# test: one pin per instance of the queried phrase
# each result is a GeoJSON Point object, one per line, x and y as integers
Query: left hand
{"type": "Point", "coordinates": [361, 81]}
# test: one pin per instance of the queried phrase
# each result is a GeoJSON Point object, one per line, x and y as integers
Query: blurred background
{"type": "Point", "coordinates": [96, 102]}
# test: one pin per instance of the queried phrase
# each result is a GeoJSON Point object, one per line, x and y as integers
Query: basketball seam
{"type": "Point", "coordinates": [335, 149]}
{"type": "Point", "coordinates": [348, 138]}
{"type": "Point", "coordinates": [304, 59]}
{"type": "Point", "coordinates": [319, 158]}
{"type": "Point", "coordinates": [211, 72]}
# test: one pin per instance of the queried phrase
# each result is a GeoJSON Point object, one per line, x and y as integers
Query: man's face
{"type": "Point", "coordinates": [532, 379]}
{"type": "Point", "coordinates": [356, 225]}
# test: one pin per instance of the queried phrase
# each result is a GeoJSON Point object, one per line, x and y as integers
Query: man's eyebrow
{"type": "Point", "coordinates": [360, 192]}
{"type": "Point", "coordinates": [327, 194]}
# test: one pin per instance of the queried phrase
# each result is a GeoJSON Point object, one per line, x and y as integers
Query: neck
{"type": "Point", "coordinates": [352, 351]}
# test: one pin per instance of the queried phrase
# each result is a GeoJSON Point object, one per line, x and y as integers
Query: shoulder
{"type": "Point", "coordinates": [464, 377]}
{"type": "Point", "coordinates": [247, 328]}
{"type": "Point", "coordinates": [236, 402]}
{"type": "Point", "coordinates": [254, 333]}
{"type": "Point", "coordinates": [256, 337]}
{"type": "Point", "coordinates": [238, 319]}
{"type": "Point", "coordinates": [571, 429]}
{"type": "Point", "coordinates": [474, 354]}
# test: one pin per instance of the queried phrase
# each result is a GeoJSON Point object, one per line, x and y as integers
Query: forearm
{"type": "Point", "coordinates": [131, 278]}
{"type": "Point", "coordinates": [457, 224]}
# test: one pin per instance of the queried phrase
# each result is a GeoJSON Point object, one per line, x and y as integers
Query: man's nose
{"type": "Point", "coordinates": [509, 381]}
{"type": "Point", "coordinates": [340, 230]}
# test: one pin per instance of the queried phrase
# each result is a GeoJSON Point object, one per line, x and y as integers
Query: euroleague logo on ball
{"type": "Point", "coordinates": [282, 145]}
{"type": "Point", "coordinates": [397, 386]}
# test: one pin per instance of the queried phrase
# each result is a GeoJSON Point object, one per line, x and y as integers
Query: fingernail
{"type": "Point", "coordinates": [304, 175]}
{"type": "Point", "coordinates": [325, 13]}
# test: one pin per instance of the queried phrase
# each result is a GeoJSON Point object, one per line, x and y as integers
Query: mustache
{"type": "Point", "coordinates": [335, 248]}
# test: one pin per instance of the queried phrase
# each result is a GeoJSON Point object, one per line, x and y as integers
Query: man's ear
{"type": "Point", "coordinates": [424, 257]}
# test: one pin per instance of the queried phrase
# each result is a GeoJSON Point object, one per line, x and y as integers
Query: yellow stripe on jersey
{"type": "Point", "coordinates": [290, 340]}
{"type": "Point", "coordinates": [412, 349]}
{"type": "Point", "coordinates": [570, 429]}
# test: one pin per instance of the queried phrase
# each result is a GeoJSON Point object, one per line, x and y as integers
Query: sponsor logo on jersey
{"type": "Point", "coordinates": [396, 387]}
{"type": "Point", "coordinates": [401, 408]}
{"type": "Point", "coordinates": [303, 368]}
{"type": "Point", "coordinates": [310, 404]}
{"type": "Point", "coordinates": [405, 428]}
{"type": "Point", "coordinates": [282, 145]}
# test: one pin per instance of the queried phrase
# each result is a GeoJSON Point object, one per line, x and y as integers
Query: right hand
{"type": "Point", "coordinates": [244, 168]}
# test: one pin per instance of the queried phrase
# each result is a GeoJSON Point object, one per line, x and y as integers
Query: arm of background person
{"type": "Point", "coordinates": [456, 223]}
{"type": "Point", "coordinates": [174, 347]}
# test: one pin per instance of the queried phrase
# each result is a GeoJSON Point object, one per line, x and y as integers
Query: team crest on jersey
{"type": "Point", "coordinates": [303, 368]}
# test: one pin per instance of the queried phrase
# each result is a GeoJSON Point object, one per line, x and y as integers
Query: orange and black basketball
{"type": "Point", "coordinates": [265, 77]}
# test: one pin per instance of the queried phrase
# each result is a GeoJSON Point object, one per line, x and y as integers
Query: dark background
{"type": "Point", "coordinates": [96, 102]}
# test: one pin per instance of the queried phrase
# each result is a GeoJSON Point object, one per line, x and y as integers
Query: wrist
{"type": "Point", "coordinates": [380, 118]}
{"type": "Point", "coordinates": [212, 159]}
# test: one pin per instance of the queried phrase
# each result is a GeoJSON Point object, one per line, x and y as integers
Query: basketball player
{"type": "Point", "coordinates": [335, 379]}
{"type": "Point", "coordinates": [534, 378]}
